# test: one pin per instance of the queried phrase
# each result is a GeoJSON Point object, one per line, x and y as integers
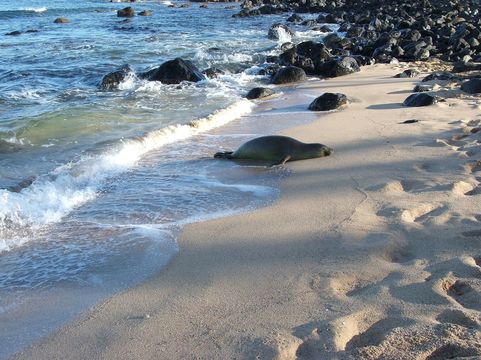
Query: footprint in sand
{"type": "Point", "coordinates": [467, 293]}
{"type": "Point", "coordinates": [460, 317]}
{"type": "Point", "coordinates": [453, 351]}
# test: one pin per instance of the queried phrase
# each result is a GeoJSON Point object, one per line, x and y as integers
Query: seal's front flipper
{"type": "Point", "coordinates": [223, 155]}
{"type": "Point", "coordinates": [282, 161]}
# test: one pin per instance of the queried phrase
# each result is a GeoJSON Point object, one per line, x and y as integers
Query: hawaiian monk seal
{"type": "Point", "coordinates": [276, 149]}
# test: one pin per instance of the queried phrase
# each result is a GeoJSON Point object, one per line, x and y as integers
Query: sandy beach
{"type": "Point", "coordinates": [372, 252]}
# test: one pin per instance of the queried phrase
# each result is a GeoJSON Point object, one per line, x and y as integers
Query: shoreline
{"type": "Point", "coordinates": [337, 267]}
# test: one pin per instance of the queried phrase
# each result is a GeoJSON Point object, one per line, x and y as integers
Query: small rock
{"type": "Point", "coordinates": [423, 88]}
{"type": "Point", "coordinates": [408, 73]}
{"type": "Point", "coordinates": [213, 72]}
{"type": "Point", "coordinates": [472, 86]}
{"type": "Point", "coordinates": [112, 80]}
{"type": "Point", "coordinates": [204, 6]}
{"type": "Point", "coordinates": [14, 33]}
{"type": "Point", "coordinates": [259, 92]}
{"type": "Point", "coordinates": [61, 20]}
{"type": "Point", "coordinates": [289, 74]}
{"type": "Point", "coordinates": [145, 13]}
{"type": "Point", "coordinates": [328, 101]}
{"type": "Point", "coordinates": [411, 121]}
{"type": "Point", "coordinates": [441, 75]}
{"type": "Point", "coordinates": [420, 99]}
{"type": "Point", "coordinates": [276, 30]}
{"type": "Point", "coordinates": [126, 12]}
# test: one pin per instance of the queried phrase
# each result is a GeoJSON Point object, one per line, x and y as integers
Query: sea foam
{"type": "Point", "coordinates": [50, 198]}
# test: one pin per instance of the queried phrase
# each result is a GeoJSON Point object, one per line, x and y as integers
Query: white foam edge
{"type": "Point", "coordinates": [49, 199]}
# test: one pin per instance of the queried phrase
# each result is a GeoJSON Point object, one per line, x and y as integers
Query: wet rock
{"type": "Point", "coordinates": [420, 99]}
{"type": "Point", "coordinates": [213, 72]}
{"type": "Point", "coordinates": [295, 18]}
{"type": "Point", "coordinates": [14, 33]}
{"type": "Point", "coordinates": [408, 73]}
{"type": "Point", "coordinates": [289, 74]}
{"type": "Point", "coordinates": [258, 93]}
{"type": "Point", "coordinates": [145, 13]}
{"type": "Point", "coordinates": [269, 70]}
{"type": "Point", "coordinates": [61, 20]}
{"type": "Point", "coordinates": [472, 86]}
{"type": "Point", "coordinates": [174, 72]}
{"type": "Point", "coordinates": [328, 101]}
{"type": "Point", "coordinates": [277, 31]}
{"type": "Point", "coordinates": [186, 5]}
{"type": "Point", "coordinates": [112, 80]}
{"type": "Point", "coordinates": [126, 12]}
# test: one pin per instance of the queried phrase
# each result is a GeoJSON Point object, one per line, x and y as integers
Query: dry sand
{"type": "Point", "coordinates": [373, 252]}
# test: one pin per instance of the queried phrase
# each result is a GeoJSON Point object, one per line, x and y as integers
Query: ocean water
{"type": "Point", "coordinates": [95, 185]}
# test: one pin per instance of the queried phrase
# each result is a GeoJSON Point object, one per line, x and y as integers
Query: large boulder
{"type": "Point", "coordinates": [112, 80]}
{"type": "Point", "coordinates": [258, 93]}
{"type": "Point", "coordinates": [317, 52]}
{"type": "Point", "coordinates": [174, 72]}
{"type": "Point", "coordinates": [289, 74]}
{"type": "Point", "coordinates": [279, 31]}
{"type": "Point", "coordinates": [328, 101]}
{"type": "Point", "coordinates": [338, 67]}
{"type": "Point", "coordinates": [472, 86]}
{"type": "Point", "coordinates": [419, 99]}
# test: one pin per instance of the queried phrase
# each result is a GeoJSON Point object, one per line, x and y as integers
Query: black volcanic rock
{"type": "Point", "coordinates": [126, 12]}
{"type": "Point", "coordinates": [472, 86]}
{"type": "Point", "coordinates": [276, 30]}
{"type": "Point", "coordinates": [259, 92]}
{"type": "Point", "coordinates": [328, 101]}
{"type": "Point", "coordinates": [174, 72]}
{"type": "Point", "coordinates": [288, 74]}
{"type": "Point", "coordinates": [112, 80]}
{"type": "Point", "coordinates": [338, 67]}
{"type": "Point", "coordinates": [419, 99]}
{"type": "Point", "coordinates": [408, 73]}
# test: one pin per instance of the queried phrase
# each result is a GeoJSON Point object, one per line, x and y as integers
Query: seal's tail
{"type": "Point", "coordinates": [224, 155]}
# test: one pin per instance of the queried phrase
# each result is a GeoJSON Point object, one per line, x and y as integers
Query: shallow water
{"type": "Point", "coordinates": [95, 185]}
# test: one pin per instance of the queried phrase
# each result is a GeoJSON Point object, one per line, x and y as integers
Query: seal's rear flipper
{"type": "Point", "coordinates": [224, 155]}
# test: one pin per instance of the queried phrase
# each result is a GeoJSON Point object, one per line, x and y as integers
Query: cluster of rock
{"type": "Point", "coordinates": [406, 30]}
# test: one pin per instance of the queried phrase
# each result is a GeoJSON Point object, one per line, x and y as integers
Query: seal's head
{"type": "Point", "coordinates": [319, 150]}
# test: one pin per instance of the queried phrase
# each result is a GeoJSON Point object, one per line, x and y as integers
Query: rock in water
{"type": "Point", "coordinates": [112, 80]}
{"type": "Point", "coordinates": [328, 101]}
{"type": "Point", "coordinates": [126, 12]}
{"type": "Point", "coordinates": [472, 86]}
{"type": "Point", "coordinates": [289, 74]}
{"type": "Point", "coordinates": [259, 92]}
{"type": "Point", "coordinates": [408, 73]}
{"type": "Point", "coordinates": [338, 67]}
{"type": "Point", "coordinates": [421, 99]}
{"type": "Point", "coordinates": [145, 13]}
{"type": "Point", "coordinates": [174, 72]}
{"type": "Point", "coordinates": [61, 20]}
{"type": "Point", "coordinates": [276, 31]}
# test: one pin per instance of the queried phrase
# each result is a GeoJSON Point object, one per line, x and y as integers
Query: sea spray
{"type": "Point", "coordinates": [49, 198]}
